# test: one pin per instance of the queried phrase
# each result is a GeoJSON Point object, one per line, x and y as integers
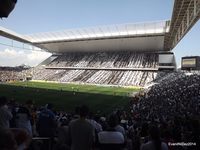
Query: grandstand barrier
{"type": "Point", "coordinates": [165, 68]}
{"type": "Point", "coordinates": [111, 69]}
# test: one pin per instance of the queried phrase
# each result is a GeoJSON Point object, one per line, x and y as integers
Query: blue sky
{"type": "Point", "coordinates": [32, 16]}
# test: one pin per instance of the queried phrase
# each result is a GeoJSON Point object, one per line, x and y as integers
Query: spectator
{"type": "Point", "coordinates": [13, 107]}
{"type": "Point", "coordinates": [5, 114]}
{"type": "Point", "coordinates": [155, 143]}
{"type": "Point", "coordinates": [111, 138]}
{"type": "Point", "coordinates": [22, 138]}
{"type": "Point", "coordinates": [81, 132]}
{"type": "Point", "coordinates": [46, 125]}
{"type": "Point", "coordinates": [7, 141]}
{"type": "Point", "coordinates": [23, 119]}
{"type": "Point", "coordinates": [94, 123]}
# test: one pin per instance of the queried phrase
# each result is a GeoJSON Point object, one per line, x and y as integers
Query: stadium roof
{"type": "Point", "coordinates": [13, 35]}
{"type": "Point", "coordinates": [101, 32]}
{"type": "Point", "coordinates": [152, 36]}
{"type": "Point", "coordinates": [139, 36]}
{"type": "Point", "coordinates": [185, 14]}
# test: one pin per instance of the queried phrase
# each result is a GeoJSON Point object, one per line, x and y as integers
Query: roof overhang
{"type": "Point", "coordinates": [137, 43]}
{"type": "Point", "coordinates": [185, 14]}
{"type": "Point", "coordinates": [137, 37]}
{"type": "Point", "coordinates": [13, 35]}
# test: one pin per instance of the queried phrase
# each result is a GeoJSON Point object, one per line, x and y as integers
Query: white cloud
{"type": "Point", "coordinates": [12, 57]}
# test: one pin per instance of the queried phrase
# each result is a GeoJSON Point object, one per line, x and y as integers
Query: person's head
{"type": "Point", "coordinates": [29, 104]}
{"type": "Point", "coordinates": [155, 136]}
{"type": "Point", "coordinates": [7, 141]}
{"type": "Point", "coordinates": [112, 120]}
{"type": "Point", "coordinates": [154, 132]}
{"type": "Point", "coordinates": [12, 102]}
{"type": "Point", "coordinates": [49, 106]}
{"type": "Point", "coordinates": [21, 136]}
{"type": "Point", "coordinates": [3, 101]}
{"type": "Point", "coordinates": [83, 111]}
{"type": "Point", "coordinates": [77, 110]}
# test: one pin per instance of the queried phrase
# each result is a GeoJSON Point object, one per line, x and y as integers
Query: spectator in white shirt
{"type": "Point", "coordinates": [5, 114]}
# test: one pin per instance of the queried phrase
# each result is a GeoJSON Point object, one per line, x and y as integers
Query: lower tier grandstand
{"type": "Point", "coordinates": [124, 78]}
{"type": "Point", "coordinates": [124, 68]}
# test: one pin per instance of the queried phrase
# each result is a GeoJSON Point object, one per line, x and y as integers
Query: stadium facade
{"type": "Point", "coordinates": [126, 54]}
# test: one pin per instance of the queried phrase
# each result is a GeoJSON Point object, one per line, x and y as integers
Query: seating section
{"type": "Point", "coordinates": [175, 94]}
{"type": "Point", "coordinates": [106, 59]}
{"type": "Point", "coordinates": [100, 60]}
{"type": "Point", "coordinates": [12, 74]}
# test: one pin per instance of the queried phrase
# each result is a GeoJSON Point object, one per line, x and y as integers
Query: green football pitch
{"type": "Point", "coordinates": [102, 99]}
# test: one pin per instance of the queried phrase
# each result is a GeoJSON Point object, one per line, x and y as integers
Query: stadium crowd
{"type": "Point", "coordinates": [158, 118]}
{"type": "Point", "coordinates": [122, 78]}
{"type": "Point", "coordinates": [107, 59]}
{"type": "Point", "coordinates": [100, 60]}
{"type": "Point", "coordinates": [12, 73]}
